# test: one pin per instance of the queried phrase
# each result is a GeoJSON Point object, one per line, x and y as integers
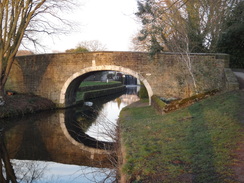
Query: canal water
{"type": "Point", "coordinates": [69, 145]}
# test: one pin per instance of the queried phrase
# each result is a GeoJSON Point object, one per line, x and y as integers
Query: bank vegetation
{"type": "Point", "coordinates": [22, 104]}
{"type": "Point", "coordinates": [197, 143]}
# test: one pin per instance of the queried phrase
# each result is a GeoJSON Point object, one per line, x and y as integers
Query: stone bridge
{"type": "Point", "coordinates": [57, 76]}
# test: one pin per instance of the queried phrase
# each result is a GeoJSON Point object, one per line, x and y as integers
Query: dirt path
{"type": "Point", "coordinates": [240, 77]}
{"type": "Point", "coordinates": [239, 153]}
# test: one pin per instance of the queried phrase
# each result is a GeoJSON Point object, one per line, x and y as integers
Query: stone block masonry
{"type": "Point", "coordinates": [57, 76]}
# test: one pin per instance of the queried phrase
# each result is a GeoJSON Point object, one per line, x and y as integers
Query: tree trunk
{"type": "Point", "coordinates": [2, 179]}
{"type": "Point", "coordinates": [2, 95]}
{"type": "Point", "coordinates": [5, 161]}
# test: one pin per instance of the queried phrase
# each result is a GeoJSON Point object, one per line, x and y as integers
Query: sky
{"type": "Point", "coordinates": [111, 22]}
{"type": "Point", "coordinates": [44, 171]}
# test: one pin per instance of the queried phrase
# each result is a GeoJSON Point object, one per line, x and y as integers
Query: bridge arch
{"type": "Point", "coordinates": [54, 76]}
{"type": "Point", "coordinates": [62, 98]}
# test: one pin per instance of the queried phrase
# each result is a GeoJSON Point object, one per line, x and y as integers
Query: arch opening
{"type": "Point", "coordinates": [70, 94]}
{"type": "Point", "coordinates": [70, 87]}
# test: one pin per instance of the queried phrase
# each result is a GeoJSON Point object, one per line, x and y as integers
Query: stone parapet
{"type": "Point", "coordinates": [231, 82]}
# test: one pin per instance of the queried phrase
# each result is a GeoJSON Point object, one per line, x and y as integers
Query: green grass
{"type": "Point", "coordinates": [194, 143]}
{"type": "Point", "coordinates": [97, 83]}
{"type": "Point", "coordinates": [80, 95]}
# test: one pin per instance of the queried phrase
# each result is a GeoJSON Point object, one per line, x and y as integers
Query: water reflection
{"type": "Point", "coordinates": [104, 127]}
{"type": "Point", "coordinates": [49, 172]}
{"type": "Point", "coordinates": [95, 125]}
{"type": "Point", "coordinates": [67, 137]}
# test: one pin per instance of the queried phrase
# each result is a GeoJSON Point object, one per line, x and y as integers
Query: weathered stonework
{"type": "Point", "coordinates": [57, 76]}
{"type": "Point", "coordinates": [231, 80]}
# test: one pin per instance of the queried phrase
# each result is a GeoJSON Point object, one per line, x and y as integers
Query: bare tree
{"type": "Point", "coordinates": [5, 164]}
{"type": "Point", "coordinates": [93, 45]}
{"type": "Point", "coordinates": [23, 19]}
{"type": "Point", "coordinates": [184, 52]}
{"type": "Point", "coordinates": [28, 171]}
{"type": "Point", "coordinates": [87, 46]}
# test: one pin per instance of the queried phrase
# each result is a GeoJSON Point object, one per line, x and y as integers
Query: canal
{"type": "Point", "coordinates": [71, 145]}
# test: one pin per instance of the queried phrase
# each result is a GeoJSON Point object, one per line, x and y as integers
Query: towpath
{"type": "Point", "coordinates": [239, 167]}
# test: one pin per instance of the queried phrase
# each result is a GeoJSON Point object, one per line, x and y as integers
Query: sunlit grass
{"type": "Point", "coordinates": [97, 83]}
{"type": "Point", "coordinates": [89, 84]}
{"type": "Point", "coordinates": [193, 143]}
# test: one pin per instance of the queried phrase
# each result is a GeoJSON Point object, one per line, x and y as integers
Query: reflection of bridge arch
{"type": "Point", "coordinates": [92, 151]}
{"type": "Point", "coordinates": [50, 141]}
{"type": "Point", "coordinates": [68, 82]}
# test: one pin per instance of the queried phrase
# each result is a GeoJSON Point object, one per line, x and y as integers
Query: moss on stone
{"type": "Point", "coordinates": [158, 104]}
{"type": "Point", "coordinates": [188, 101]}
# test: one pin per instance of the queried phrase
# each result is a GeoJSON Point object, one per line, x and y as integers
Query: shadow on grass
{"type": "Point", "coordinates": [201, 150]}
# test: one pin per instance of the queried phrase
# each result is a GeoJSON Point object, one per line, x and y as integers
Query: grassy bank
{"type": "Point", "coordinates": [97, 83]}
{"type": "Point", "coordinates": [20, 104]}
{"type": "Point", "coordinates": [91, 89]}
{"type": "Point", "coordinates": [194, 144]}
